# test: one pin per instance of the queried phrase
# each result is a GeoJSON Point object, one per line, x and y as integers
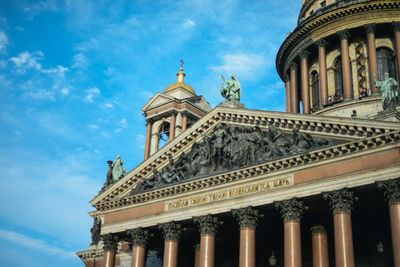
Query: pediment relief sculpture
{"type": "Point", "coordinates": [232, 147]}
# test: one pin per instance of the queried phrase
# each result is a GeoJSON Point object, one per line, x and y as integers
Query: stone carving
{"type": "Point", "coordinates": [391, 190]}
{"type": "Point", "coordinates": [318, 229]}
{"type": "Point", "coordinates": [291, 209]}
{"type": "Point", "coordinates": [390, 92]}
{"type": "Point", "coordinates": [208, 224]}
{"type": "Point", "coordinates": [109, 177]}
{"type": "Point", "coordinates": [340, 200]}
{"type": "Point", "coordinates": [138, 236]}
{"type": "Point", "coordinates": [110, 242]}
{"type": "Point", "coordinates": [231, 147]}
{"type": "Point", "coordinates": [247, 217]}
{"type": "Point", "coordinates": [171, 231]}
{"type": "Point", "coordinates": [95, 231]}
{"type": "Point", "coordinates": [232, 91]}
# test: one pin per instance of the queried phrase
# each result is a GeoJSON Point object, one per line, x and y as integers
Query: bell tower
{"type": "Point", "coordinates": [170, 113]}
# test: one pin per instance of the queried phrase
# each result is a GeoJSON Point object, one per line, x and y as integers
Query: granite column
{"type": "Point", "coordinates": [346, 69]}
{"type": "Point", "coordinates": [171, 232]}
{"type": "Point", "coordinates": [208, 225]}
{"type": "Point", "coordinates": [139, 238]}
{"type": "Point", "coordinates": [320, 246]}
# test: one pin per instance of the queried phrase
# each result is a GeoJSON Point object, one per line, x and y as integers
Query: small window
{"type": "Point", "coordinates": [386, 62]}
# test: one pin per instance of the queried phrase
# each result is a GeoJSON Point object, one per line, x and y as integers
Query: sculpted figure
{"type": "Point", "coordinates": [302, 142]}
{"type": "Point", "coordinates": [118, 169]}
{"type": "Point", "coordinates": [201, 157]}
{"type": "Point", "coordinates": [232, 91]}
{"type": "Point", "coordinates": [95, 231]}
{"type": "Point", "coordinates": [172, 173]}
{"type": "Point", "coordinates": [219, 141]}
{"type": "Point", "coordinates": [390, 92]}
{"type": "Point", "coordinates": [280, 143]}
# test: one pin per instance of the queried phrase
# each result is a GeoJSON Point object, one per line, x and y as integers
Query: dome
{"type": "Point", "coordinates": [180, 83]}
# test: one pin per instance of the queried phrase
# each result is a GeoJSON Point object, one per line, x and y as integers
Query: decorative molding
{"type": "Point", "coordinates": [344, 35]}
{"type": "Point", "coordinates": [318, 229]}
{"type": "Point", "coordinates": [247, 217]}
{"type": "Point", "coordinates": [341, 200]}
{"type": "Point", "coordinates": [138, 236]}
{"type": "Point", "coordinates": [370, 28]}
{"type": "Point", "coordinates": [208, 224]}
{"type": "Point", "coordinates": [91, 255]}
{"type": "Point", "coordinates": [171, 231]}
{"type": "Point", "coordinates": [375, 141]}
{"type": "Point", "coordinates": [110, 242]}
{"type": "Point", "coordinates": [391, 190]}
{"type": "Point", "coordinates": [291, 209]}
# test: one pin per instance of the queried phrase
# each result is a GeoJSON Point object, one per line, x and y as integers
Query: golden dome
{"type": "Point", "coordinates": [180, 83]}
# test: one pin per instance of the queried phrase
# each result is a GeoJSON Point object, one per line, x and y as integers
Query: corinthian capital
{"type": "Point", "coordinates": [391, 190]}
{"type": "Point", "coordinates": [138, 236]}
{"type": "Point", "coordinates": [370, 28]}
{"type": "Point", "coordinates": [208, 224]}
{"type": "Point", "coordinates": [247, 217]}
{"type": "Point", "coordinates": [340, 200]}
{"type": "Point", "coordinates": [344, 35]}
{"type": "Point", "coordinates": [171, 231]}
{"type": "Point", "coordinates": [110, 242]}
{"type": "Point", "coordinates": [291, 209]}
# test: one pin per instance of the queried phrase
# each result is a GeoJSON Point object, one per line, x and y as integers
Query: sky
{"type": "Point", "coordinates": [74, 75]}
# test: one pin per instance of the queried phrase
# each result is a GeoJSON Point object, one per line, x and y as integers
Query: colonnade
{"type": "Point", "coordinates": [291, 82]}
{"type": "Point", "coordinates": [340, 201]}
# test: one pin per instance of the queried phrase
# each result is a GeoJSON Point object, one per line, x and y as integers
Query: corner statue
{"type": "Point", "coordinates": [232, 91]}
{"type": "Point", "coordinates": [118, 169]}
{"type": "Point", "coordinates": [390, 92]}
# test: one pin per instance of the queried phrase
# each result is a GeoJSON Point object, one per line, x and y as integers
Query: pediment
{"type": "Point", "coordinates": [330, 137]}
{"type": "Point", "coordinates": [158, 100]}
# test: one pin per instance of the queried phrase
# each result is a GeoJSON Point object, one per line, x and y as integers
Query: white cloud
{"type": "Point", "coordinates": [93, 126]}
{"type": "Point", "coordinates": [3, 41]}
{"type": "Point", "coordinates": [26, 60]}
{"type": "Point", "coordinates": [108, 105]}
{"type": "Point", "coordinates": [188, 23]}
{"type": "Point", "coordinates": [123, 123]}
{"type": "Point", "coordinates": [34, 243]}
{"type": "Point", "coordinates": [244, 66]}
{"type": "Point", "coordinates": [80, 61]}
{"type": "Point", "coordinates": [42, 94]}
{"type": "Point", "coordinates": [57, 70]}
{"type": "Point", "coordinates": [65, 91]}
{"type": "Point", "coordinates": [91, 94]}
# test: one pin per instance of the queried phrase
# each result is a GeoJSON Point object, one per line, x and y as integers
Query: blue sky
{"type": "Point", "coordinates": [74, 76]}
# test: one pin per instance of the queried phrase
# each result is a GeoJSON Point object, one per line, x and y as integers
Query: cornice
{"type": "Point", "coordinates": [324, 17]}
{"type": "Point", "coordinates": [91, 255]}
{"type": "Point", "coordinates": [350, 129]}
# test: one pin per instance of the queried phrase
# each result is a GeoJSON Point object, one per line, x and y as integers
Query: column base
{"type": "Point", "coordinates": [348, 99]}
{"type": "Point", "coordinates": [376, 94]}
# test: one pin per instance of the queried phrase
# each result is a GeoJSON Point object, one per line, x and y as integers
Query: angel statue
{"type": "Point", "coordinates": [118, 168]}
{"type": "Point", "coordinates": [390, 92]}
{"type": "Point", "coordinates": [232, 91]}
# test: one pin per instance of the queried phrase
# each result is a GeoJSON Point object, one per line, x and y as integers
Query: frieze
{"type": "Point", "coordinates": [229, 193]}
{"type": "Point", "coordinates": [231, 147]}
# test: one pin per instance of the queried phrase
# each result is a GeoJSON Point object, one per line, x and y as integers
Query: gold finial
{"type": "Point", "coordinates": [180, 74]}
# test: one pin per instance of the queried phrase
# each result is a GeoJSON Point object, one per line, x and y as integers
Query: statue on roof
{"type": "Point", "coordinates": [118, 169]}
{"type": "Point", "coordinates": [390, 92]}
{"type": "Point", "coordinates": [232, 90]}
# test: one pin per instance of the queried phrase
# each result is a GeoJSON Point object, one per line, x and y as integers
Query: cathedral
{"type": "Point", "coordinates": [317, 185]}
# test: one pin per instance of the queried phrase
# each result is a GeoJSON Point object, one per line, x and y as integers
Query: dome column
{"type": "Point", "coordinates": [373, 63]}
{"type": "Point", "coordinates": [172, 124]}
{"type": "Point", "coordinates": [396, 31]}
{"type": "Point", "coordinates": [291, 212]}
{"type": "Point", "coordinates": [346, 71]}
{"type": "Point", "coordinates": [287, 86]}
{"type": "Point", "coordinates": [305, 86]}
{"type": "Point", "coordinates": [294, 94]}
{"type": "Point", "coordinates": [323, 75]}
{"type": "Point", "coordinates": [341, 202]}
{"type": "Point", "coordinates": [149, 125]}
{"type": "Point", "coordinates": [391, 191]}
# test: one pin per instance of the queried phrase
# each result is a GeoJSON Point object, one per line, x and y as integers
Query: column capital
{"type": "Point", "coordinates": [318, 229]}
{"type": "Point", "coordinates": [247, 217]}
{"type": "Point", "coordinates": [370, 28]}
{"type": "Point", "coordinates": [341, 200]}
{"type": "Point", "coordinates": [291, 209]}
{"type": "Point", "coordinates": [197, 247]}
{"type": "Point", "coordinates": [345, 34]}
{"type": "Point", "coordinates": [304, 54]}
{"type": "Point", "coordinates": [171, 231]}
{"type": "Point", "coordinates": [391, 190]}
{"type": "Point", "coordinates": [396, 26]}
{"type": "Point", "coordinates": [321, 43]}
{"type": "Point", "coordinates": [287, 78]}
{"type": "Point", "coordinates": [110, 242]}
{"type": "Point", "coordinates": [138, 236]}
{"type": "Point", "coordinates": [208, 224]}
{"type": "Point", "coordinates": [293, 65]}
{"type": "Point", "coordinates": [149, 121]}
